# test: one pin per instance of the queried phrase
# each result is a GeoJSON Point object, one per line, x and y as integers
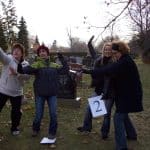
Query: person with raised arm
{"type": "Point", "coordinates": [11, 83]}
{"type": "Point", "coordinates": [45, 87]}
{"type": "Point", "coordinates": [102, 85]}
{"type": "Point", "coordinates": [128, 92]}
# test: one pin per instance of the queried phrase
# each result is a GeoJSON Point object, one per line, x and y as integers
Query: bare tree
{"type": "Point", "coordinates": [139, 12]}
{"type": "Point", "coordinates": [105, 40]}
{"type": "Point", "coordinates": [54, 45]}
{"type": "Point", "coordinates": [114, 18]}
{"type": "Point", "coordinates": [78, 45]}
{"type": "Point", "coordinates": [69, 33]}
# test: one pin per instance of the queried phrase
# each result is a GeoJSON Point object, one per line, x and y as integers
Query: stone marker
{"type": "Point", "coordinates": [68, 90]}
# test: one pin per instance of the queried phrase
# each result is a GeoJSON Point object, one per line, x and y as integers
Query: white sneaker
{"type": "Point", "coordinates": [52, 137]}
{"type": "Point", "coordinates": [16, 132]}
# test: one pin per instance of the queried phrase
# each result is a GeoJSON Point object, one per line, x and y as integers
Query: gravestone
{"type": "Point", "coordinates": [88, 61]}
{"type": "Point", "coordinates": [77, 67]}
{"type": "Point", "coordinates": [67, 95]}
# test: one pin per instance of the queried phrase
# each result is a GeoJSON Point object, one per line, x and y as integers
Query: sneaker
{"type": "Point", "coordinates": [104, 137]}
{"type": "Point", "coordinates": [81, 129]}
{"type": "Point", "coordinates": [35, 133]}
{"type": "Point", "coordinates": [52, 137]}
{"type": "Point", "coordinates": [132, 138]}
{"type": "Point", "coordinates": [15, 132]}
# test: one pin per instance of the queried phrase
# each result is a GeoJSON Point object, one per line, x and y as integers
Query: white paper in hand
{"type": "Point", "coordinates": [46, 140]}
{"type": "Point", "coordinates": [97, 106]}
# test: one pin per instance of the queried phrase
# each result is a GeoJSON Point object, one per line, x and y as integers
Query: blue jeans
{"type": "Point", "coordinates": [123, 127]}
{"type": "Point", "coordinates": [107, 118]}
{"type": "Point", "coordinates": [87, 124]}
{"type": "Point", "coordinates": [39, 110]}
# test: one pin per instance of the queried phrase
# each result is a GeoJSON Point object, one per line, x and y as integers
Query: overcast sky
{"type": "Point", "coordinates": [49, 19]}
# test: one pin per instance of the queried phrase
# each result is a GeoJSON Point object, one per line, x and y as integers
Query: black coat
{"type": "Point", "coordinates": [127, 84]}
{"type": "Point", "coordinates": [103, 84]}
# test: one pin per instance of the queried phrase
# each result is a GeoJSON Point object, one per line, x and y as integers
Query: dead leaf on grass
{"type": "Point", "coordinates": [53, 146]}
{"type": "Point", "coordinates": [1, 138]}
{"type": "Point", "coordinates": [93, 132]}
{"type": "Point", "coordinates": [85, 141]}
{"type": "Point", "coordinates": [28, 107]}
{"type": "Point", "coordinates": [98, 121]}
{"type": "Point", "coordinates": [61, 137]}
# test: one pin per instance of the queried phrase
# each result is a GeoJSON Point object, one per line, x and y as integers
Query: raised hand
{"type": "Point", "coordinates": [91, 39]}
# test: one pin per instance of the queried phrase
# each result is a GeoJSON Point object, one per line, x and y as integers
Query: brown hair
{"type": "Point", "coordinates": [21, 47]}
{"type": "Point", "coordinates": [121, 47]}
{"type": "Point", "coordinates": [44, 48]}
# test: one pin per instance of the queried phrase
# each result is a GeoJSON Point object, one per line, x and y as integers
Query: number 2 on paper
{"type": "Point", "coordinates": [98, 106]}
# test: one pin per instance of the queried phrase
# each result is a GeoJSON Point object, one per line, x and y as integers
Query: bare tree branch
{"type": "Point", "coordinates": [117, 16]}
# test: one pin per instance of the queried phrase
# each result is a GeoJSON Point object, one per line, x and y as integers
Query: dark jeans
{"type": "Point", "coordinates": [39, 111]}
{"type": "Point", "coordinates": [123, 127]}
{"type": "Point", "coordinates": [87, 124]}
{"type": "Point", "coordinates": [15, 111]}
{"type": "Point", "coordinates": [107, 118]}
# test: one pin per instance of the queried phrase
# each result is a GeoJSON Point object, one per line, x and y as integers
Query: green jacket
{"type": "Point", "coordinates": [42, 63]}
{"type": "Point", "coordinates": [46, 75]}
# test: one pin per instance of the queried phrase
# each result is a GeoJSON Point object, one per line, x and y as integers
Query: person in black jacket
{"type": "Point", "coordinates": [45, 87]}
{"type": "Point", "coordinates": [128, 92]}
{"type": "Point", "coordinates": [103, 85]}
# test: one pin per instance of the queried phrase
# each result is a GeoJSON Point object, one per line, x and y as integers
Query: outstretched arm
{"type": "Point", "coordinates": [4, 57]}
{"type": "Point", "coordinates": [65, 67]}
{"type": "Point", "coordinates": [91, 48]}
{"type": "Point", "coordinates": [110, 69]}
{"type": "Point", "coordinates": [27, 70]}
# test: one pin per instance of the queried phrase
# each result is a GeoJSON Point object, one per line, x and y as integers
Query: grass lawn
{"type": "Point", "coordinates": [69, 118]}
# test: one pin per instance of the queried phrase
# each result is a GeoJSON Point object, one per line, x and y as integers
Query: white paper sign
{"type": "Point", "coordinates": [46, 140]}
{"type": "Point", "coordinates": [97, 106]}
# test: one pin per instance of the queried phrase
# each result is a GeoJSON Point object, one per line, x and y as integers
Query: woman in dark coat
{"type": "Point", "coordinates": [101, 85]}
{"type": "Point", "coordinates": [128, 92]}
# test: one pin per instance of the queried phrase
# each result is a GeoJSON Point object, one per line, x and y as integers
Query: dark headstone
{"type": "Point", "coordinates": [77, 67]}
{"type": "Point", "coordinates": [68, 90]}
{"type": "Point", "coordinates": [67, 86]}
{"type": "Point", "coordinates": [88, 61]}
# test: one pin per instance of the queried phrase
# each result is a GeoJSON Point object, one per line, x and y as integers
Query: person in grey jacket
{"type": "Point", "coordinates": [11, 84]}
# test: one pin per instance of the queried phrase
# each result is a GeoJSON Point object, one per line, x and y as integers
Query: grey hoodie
{"type": "Point", "coordinates": [11, 85]}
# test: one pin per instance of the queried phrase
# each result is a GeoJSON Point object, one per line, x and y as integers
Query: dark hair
{"type": "Point", "coordinates": [44, 48]}
{"type": "Point", "coordinates": [115, 47]}
{"type": "Point", "coordinates": [21, 48]}
{"type": "Point", "coordinates": [121, 47]}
